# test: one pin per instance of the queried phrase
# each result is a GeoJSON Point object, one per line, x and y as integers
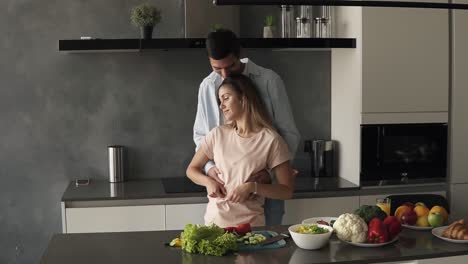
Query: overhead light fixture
{"type": "Point", "coordinates": [364, 3]}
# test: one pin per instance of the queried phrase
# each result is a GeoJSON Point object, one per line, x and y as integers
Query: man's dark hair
{"type": "Point", "coordinates": [221, 43]}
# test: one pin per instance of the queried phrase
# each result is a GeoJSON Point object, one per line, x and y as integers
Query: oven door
{"type": "Point", "coordinates": [396, 151]}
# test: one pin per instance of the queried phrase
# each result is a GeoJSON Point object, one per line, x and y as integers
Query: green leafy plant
{"type": "Point", "coordinates": [269, 21]}
{"type": "Point", "coordinates": [145, 15]}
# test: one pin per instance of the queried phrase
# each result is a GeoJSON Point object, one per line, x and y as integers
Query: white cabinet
{"type": "Point", "coordinates": [459, 109]}
{"type": "Point", "coordinates": [405, 60]}
{"type": "Point", "coordinates": [178, 215]}
{"type": "Point", "coordinates": [447, 260]}
{"type": "Point", "coordinates": [458, 197]}
{"type": "Point", "coordinates": [459, 106]}
{"type": "Point", "coordinates": [115, 219]}
{"type": "Point", "coordinates": [297, 210]}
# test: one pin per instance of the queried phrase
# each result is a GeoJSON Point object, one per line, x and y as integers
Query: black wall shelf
{"type": "Point", "coordinates": [109, 45]}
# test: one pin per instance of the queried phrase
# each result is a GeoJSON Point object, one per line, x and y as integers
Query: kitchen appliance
{"type": "Point", "coordinates": [322, 157]}
{"type": "Point", "coordinates": [116, 163]}
{"type": "Point", "coordinates": [402, 153]}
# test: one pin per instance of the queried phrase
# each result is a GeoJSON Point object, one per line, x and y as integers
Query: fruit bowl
{"type": "Point", "coordinates": [310, 241]}
{"type": "Point", "coordinates": [417, 227]}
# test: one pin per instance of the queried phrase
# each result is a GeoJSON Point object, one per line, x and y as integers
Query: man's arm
{"type": "Point", "coordinates": [201, 127]}
{"type": "Point", "coordinates": [283, 119]}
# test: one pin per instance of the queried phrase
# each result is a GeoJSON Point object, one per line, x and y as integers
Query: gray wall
{"type": "Point", "coordinates": [58, 112]}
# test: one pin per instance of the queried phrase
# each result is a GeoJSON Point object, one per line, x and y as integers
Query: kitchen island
{"type": "Point", "coordinates": [165, 204]}
{"type": "Point", "coordinates": [149, 247]}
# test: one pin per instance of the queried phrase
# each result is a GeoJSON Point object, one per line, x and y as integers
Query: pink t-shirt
{"type": "Point", "coordinates": [238, 158]}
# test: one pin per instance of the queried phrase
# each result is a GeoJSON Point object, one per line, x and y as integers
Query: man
{"type": "Point", "coordinates": [223, 49]}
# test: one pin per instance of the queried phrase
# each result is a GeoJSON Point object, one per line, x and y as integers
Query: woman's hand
{"type": "Point", "coordinates": [241, 193]}
{"type": "Point", "coordinates": [215, 189]}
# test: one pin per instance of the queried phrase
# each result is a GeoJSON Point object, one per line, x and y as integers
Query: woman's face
{"type": "Point", "coordinates": [230, 103]}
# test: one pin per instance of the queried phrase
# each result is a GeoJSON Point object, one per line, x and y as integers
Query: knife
{"type": "Point", "coordinates": [273, 239]}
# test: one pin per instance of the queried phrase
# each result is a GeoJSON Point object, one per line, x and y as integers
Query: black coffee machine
{"type": "Point", "coordinates": [322, 157]}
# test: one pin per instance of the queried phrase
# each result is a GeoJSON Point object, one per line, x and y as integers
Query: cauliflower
{"type": "Point", "coordinates": [351, 227]}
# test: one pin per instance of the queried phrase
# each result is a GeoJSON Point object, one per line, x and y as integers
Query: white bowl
{"type": "Point", "coordinates": [310, 241]}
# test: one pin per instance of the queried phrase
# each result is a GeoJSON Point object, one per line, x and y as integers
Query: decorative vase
{"type": "Point", "coordinates": [146, 32]}
{"type": "Point", "coordinates": [269, 32]}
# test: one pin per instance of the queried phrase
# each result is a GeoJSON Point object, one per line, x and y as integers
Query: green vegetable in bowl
{"type": "Point", "coordinates": [311, 229]}
{"type": "Point", "coordinates": [207, 240]}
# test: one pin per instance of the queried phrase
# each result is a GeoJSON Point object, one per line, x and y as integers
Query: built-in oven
{"type": "Point", "coordinates": [403, 153]}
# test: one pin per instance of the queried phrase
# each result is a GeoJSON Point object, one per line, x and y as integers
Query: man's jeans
{"type": "Point", "coordinates": [274, 211]}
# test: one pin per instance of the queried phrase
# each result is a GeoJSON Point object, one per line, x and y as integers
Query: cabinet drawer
{"type": "Point", "coordinates": [115, 219]}
{"type": "Point", "coordinates": [178, 215]}
{"type": "Point", "coordinates": [297, 210]}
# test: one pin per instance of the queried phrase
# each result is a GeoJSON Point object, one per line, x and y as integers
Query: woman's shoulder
{"type": "Point", "coordinates": [222, 129]}
{"type": "Point", "coordinates": [270, 132]}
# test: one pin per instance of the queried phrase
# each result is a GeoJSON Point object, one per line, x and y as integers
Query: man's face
{"type": "Point", "coordinates": [226, 66]}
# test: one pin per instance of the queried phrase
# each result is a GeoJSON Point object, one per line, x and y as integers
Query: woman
{"type": "Point", "coordinates": [246, 144]}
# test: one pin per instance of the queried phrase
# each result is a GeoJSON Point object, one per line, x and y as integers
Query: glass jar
{"type": "Point", "coordinates": [322, 27]}
{"type": "Point", "coordinates": [287, 21]}
{"type": "Point", "coordinates": [328, 13]}
{"type": "Point", "coordinates": [303, 27]}
{"type": "Point", "coordinates": [306, 11]}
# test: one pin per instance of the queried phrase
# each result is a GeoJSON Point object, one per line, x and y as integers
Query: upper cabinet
{"type": "Point", "coordinates": [398, 73]}
{"type": "Point", "coordinates": [405, 60]}
{"type": "Point", "coordinates": [459, 106]}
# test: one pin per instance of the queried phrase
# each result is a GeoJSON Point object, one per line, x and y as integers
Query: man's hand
{"type": "Point", "coordinates": [260, 177]}
{"type": "Point", "coordinates": [215, 189]}
{"type": "Point", "coordinates": [241, 193]}
{"type": "Point", "coordinates": [213, 174]}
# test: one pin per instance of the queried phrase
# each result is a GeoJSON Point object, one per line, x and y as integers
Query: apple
{"type": "Point", "coordinates": [435, 219]}
{"type": "Point", "coordinates": [409, 218]}
{"type": "Point", "coordinates": [410, 205]}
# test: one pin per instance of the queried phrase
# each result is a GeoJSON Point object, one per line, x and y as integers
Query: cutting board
{"type": "Point", "coordinates": [278, 244]}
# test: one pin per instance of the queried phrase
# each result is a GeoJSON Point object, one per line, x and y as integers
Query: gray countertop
{"type": "Point", "coordinates": [148, 247]}
{"type": "Point", "coordinates": [147, 189]}
{"type": "Point", "coordinates": [154, 191]}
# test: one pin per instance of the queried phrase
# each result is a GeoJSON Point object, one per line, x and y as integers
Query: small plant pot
{"type": "Point", "coordinates": [269, 32]}
{"type": "Point", "coordinates": [146, 32]}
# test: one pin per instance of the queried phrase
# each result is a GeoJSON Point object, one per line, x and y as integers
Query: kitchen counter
{"type": "Point", "coordinates": [148, 247]}
{"type": "Point", "coordinates": [154, 192]}
{"type": "Point", "coordinates": [177, 188]}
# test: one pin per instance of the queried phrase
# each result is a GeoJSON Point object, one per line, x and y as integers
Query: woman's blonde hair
{"type": "Point", "coordinates": [254, 106]}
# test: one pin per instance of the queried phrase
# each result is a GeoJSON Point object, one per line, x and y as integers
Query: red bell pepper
{"type": "Point", "coordinates": [377, 231]}
{"type": "Point", "coordinates": [393, 226]}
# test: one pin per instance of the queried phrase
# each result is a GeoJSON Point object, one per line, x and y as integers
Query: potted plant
{"type": "Point", "coordinates": [269, 28]}
{"type": "Point", "coordinates": [146, 16]}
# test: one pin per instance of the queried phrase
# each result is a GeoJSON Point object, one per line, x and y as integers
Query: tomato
{"type": "Point", "coordinates": [230, 229]}
{"type": "Point", "coordinates": [241, 229]}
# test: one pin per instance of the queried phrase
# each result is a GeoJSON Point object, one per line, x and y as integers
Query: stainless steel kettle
{"type": "Point", "coordinates": [322, 157]}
